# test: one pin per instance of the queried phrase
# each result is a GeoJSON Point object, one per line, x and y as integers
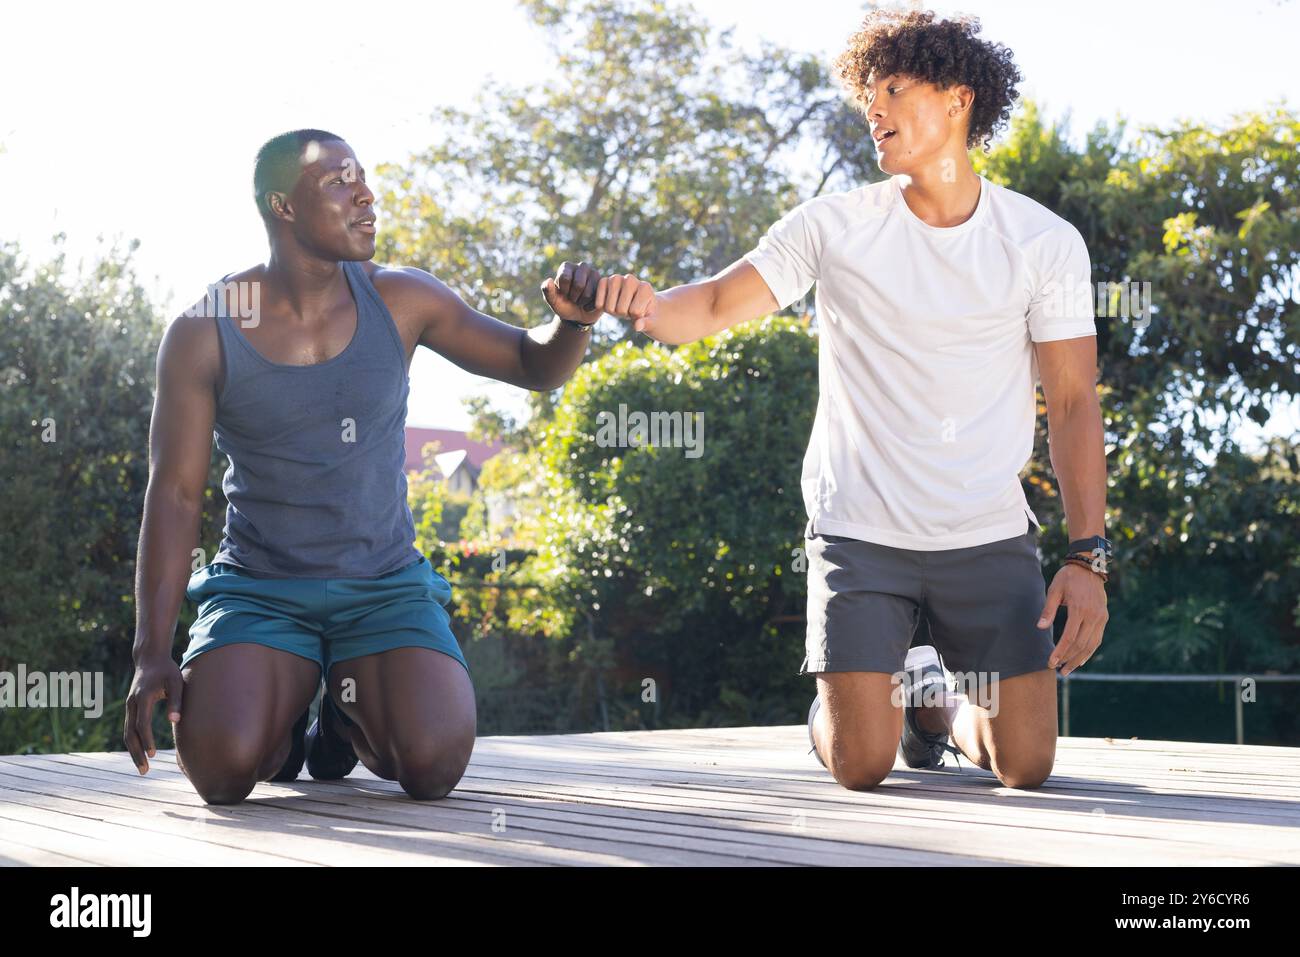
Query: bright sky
{"type": "Point", "coordinates": [142, 120]}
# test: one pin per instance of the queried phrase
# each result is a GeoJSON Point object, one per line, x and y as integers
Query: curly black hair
{"type": "Point", "coordinates": [944, 52]}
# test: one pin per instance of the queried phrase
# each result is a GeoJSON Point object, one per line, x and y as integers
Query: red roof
{"type": "Point", "coordinates": [476, 453]}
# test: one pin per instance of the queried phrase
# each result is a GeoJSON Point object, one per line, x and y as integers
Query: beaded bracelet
{"type": "Point", "coordinates": [1085, 563]}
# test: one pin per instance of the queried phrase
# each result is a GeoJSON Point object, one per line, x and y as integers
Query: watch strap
{"type": "Point", "coordinates": [1086, 546]}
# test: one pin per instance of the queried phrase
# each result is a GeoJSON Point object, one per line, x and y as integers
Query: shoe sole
{"type": "Point", "coordinates": [918, 661]}
{"type": "Point", "coordinates": [812, 714]}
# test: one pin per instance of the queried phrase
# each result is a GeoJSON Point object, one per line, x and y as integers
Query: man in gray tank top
{"type": "Point", "coordinates": [298, 370]}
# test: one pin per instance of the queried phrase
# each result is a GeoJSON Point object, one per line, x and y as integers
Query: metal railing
{"type": "Point", "coordinates": [1239, 680]}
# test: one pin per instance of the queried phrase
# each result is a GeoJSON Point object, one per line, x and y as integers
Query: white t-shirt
{"type": "Point", "coordinates": [925, 415]}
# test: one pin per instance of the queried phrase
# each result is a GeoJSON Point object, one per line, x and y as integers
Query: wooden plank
{"type": "Point", "coordinates": [753, 784]}
{"type": "Point", "coordinates": [762, 847]}
{"type": "Point", "coordinates": [475, 833]}
{"type": "Point", "coordinates": [646, 843]}
{"type": "Point", "coordinates": [727, 742]}
{"type": "Point", "coordinates": [344, 846]}
{"type": "Point", "coordinates": [1063, 777]}
{"type": "Point", "coordinates": [730, 796]}
{"type": "Point", "coordinates": [535, 774]}
{"type": "Point", "coordinates": [1194, 842]}
{"type": "Point", "coordinates": [1064, 837]}
{"type": "Point", "coordinates": [348, 840]}
{"type": "Point", "coordinates": [64, 842]}
{"type": "Point", "coordinates": [774, 841]}
{"type": "Point", "coordinates": [968, 777]}
{"type": "Point", "coordinates": [1173, 799]}
{"type": "Point", "coordinates": [780, 755]}
{"type": "Point", "coordinates": [20, 855]}
{"type": "Point", "coordinates": [1283, 789]}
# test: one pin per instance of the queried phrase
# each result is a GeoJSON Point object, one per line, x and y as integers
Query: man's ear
{"type": "Point", "coordinates": [278, 204]}
{"type": "Point", "coordinates": [960, 99]}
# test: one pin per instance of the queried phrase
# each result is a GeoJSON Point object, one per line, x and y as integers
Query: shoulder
{"type": "Point", "coordinates": [406, 284]}
{"type": "Point", "coordinates": [191, 345]}
{"type": "Point", "coordinates": [414, 295]}
{"type": "Point", "coordinates": [1034, 229]}
{"type": "Point", "coordinates": [192, 331]}
{"type": "Point", "coordinates": [848, 205]}
{"type": "Point", "coordinates": [400, 278]}
{"type": "Point", "coordinates": [828, 214]}
{"type": "Point", "coordinates": [235, 294]}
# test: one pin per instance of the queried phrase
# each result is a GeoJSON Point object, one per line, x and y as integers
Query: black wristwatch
{"type": "Point", "coordinates": [581, 326]}
{"type": "Point", "coordinates": [1097, 550]}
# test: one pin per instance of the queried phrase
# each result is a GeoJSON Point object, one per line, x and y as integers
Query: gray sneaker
{"type": "Point", "coordinates": [922, 749]}
{"type": "Point", "coordinates": [812, 713]}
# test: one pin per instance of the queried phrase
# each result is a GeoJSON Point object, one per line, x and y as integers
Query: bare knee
{"type": "Point", "coordinates": [1024, 772]}
{"type": "Point", "coordinates": [861, 774]}
{"type": "Point", "coordinates": [431, 779]}
{"type": "Point", "coordinates": [428, 770]}
{"type": "Point", "coordinates": [223, 768]}
{"type": "Point", "coordinates": [223, 783]}
{"type": "Point", "coordinates": [229, 790]}
{"type": "Point", "coordinates": [858, 762]}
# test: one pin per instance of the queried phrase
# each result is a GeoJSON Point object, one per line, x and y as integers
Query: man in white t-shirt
{"type": "Point", "coordinates": [941, 299]}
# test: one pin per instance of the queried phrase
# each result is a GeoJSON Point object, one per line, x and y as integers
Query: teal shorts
{"type": "Point", "coordinates": [325, 620]}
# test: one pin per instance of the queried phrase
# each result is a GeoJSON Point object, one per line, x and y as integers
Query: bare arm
{"type": "Point", "coordinates": [180, 450]}
{"type": "Point", "coordinates": [1067, 369]}
{"type": "Point", "coordinates": [540, 358]}
{"type": "Point", "coordinates": [689, 312]}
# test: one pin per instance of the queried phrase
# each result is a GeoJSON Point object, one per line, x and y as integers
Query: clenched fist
{"type": "Point", "coordinates": [572, 293]}
{"type": "Point", "coordinates": [627, 297]}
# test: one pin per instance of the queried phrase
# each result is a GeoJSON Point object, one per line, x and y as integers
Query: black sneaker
{"type": "Point", "coordinates": [329, 748]}
{"type": "Point", "coordinates": [922, 749]}
{"type": "Point", "coordinates": [297, 750]}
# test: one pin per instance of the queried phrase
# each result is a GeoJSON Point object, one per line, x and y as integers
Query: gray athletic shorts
{"type": "Point", "coordinates": [978, 606]}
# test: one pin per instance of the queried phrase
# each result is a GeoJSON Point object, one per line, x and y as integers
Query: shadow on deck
{"type": "Point", "coordinates": [731, 796]}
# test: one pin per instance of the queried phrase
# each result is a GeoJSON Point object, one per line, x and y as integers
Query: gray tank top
{"type": "Point", "coordinates": [316, 486]}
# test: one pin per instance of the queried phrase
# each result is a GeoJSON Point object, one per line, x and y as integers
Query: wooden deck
{"type": "Point", "coordinates": [736, 796]}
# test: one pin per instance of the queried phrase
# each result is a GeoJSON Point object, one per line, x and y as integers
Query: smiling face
{"type": "Point", "coordinates": [913, 122]}
{"type": "Point", "coordinates": [330, 209]}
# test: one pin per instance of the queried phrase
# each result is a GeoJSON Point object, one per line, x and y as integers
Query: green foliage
{"type": "Point", "coordinates": [506, 484]}
{"type": "Point", "coordinates": [436, 510]}
{"type": "Point", "coordinates": [654, 565]}
{"type": "Point", "coordinates": [426, 494]}
{"type": "Point", "coordinates": [76, 362]}
{"type": "Point", "coordinates": [1210, 563]}
{"type": "Point", "coordinates": [77, 357]}
{"type": "Point", "coordinates": [62, 730]}
{"type": "Point", "coordinates": [525, 678]}
{"type": "Point", "coordinates": [670, 534]}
